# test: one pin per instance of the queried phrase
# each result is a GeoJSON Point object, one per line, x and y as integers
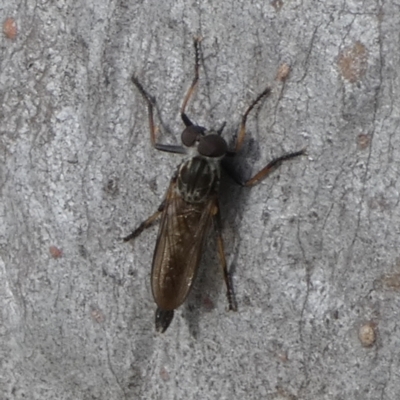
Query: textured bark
{"type": "Point", "coordinates": [312, 249]}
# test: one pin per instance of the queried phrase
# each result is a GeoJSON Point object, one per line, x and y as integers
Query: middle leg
{"type": "Point", "coordinates": [145, 224]}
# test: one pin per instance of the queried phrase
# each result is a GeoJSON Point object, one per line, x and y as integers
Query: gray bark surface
{"type": "Point", "coordinates": [313, 249]}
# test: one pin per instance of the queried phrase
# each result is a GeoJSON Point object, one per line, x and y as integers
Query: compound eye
{"type": "Point", "coordinates": [191, 135]}
{"type": "Point", "coordinates": [212, 146]}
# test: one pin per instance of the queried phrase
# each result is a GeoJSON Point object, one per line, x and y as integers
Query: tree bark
{"type": "Point", "coordinates": [312, 249]}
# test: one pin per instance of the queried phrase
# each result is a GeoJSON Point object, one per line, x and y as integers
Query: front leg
{"type": "Point", "coordinates": [151, 105]}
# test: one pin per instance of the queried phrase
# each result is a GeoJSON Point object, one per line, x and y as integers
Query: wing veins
{"type": "Point", "coordinates": [178, 250]}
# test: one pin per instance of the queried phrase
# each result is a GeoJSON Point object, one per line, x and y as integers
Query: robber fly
{"type": "Point", "coordinates": [191, 205]}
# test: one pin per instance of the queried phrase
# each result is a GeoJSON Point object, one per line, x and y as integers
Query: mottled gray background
{"type": "Point", "coordinates": [314, 249]}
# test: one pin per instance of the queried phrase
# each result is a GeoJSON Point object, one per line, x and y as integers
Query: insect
{"type": "Point", "coordinates": [191, 204]}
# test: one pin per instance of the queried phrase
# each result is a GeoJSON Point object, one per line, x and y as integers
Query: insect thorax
{"type": "Point", "coordinates": [198, 178]}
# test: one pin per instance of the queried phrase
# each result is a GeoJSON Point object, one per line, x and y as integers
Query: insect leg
{"type": "Point", "coordinates": [259, 176]}
{"type": "Point", "coordinates": [221, 253]}
{"type": "Point", "coordinates": [145, 224]}
{"type": "Point", "coordinates": [242, 129]}
{"type": "Point", "coordinates": [151, 105]}
{"type": "Point", "coordinates": [271, 166]}
{"type": "Point", "coordinates": [194, 82]}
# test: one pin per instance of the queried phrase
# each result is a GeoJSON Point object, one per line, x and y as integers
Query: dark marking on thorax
{"type": "Point", "coordinates": [198, 178]}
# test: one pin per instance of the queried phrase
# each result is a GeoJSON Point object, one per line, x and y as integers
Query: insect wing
{"type": "Point", "coordinates": [179, 248]}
